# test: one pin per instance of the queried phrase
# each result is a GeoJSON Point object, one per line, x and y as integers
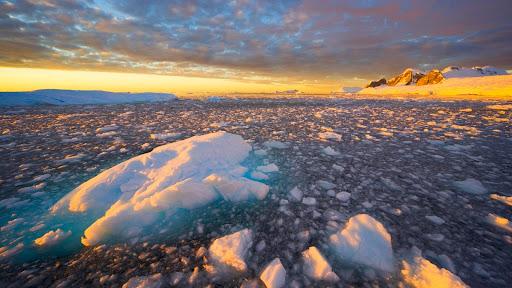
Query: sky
{"type": "Point", "coordinates": [314, 46]}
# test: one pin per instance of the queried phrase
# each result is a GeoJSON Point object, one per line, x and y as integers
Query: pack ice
{"type": "Point", "coordinates": [151, 187]}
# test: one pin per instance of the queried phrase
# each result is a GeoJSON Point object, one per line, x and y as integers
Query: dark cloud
{"type": "Point", "coordinates": [257, 41]}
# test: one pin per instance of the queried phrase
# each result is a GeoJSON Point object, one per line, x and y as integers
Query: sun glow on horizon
{"type": "Point", "coordinates": [29, 79]}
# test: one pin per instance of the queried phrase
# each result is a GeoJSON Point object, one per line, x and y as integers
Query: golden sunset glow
{"type": "Point", "coordinates": [27, 79]}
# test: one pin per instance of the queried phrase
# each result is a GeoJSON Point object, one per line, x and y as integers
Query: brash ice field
{"type": "Point", "coordinates": [252, 192]}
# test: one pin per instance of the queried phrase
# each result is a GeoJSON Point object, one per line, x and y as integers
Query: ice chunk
{"type": "Point", "coordinates": [309, 201]}
{"type": "Point", "coordinates": [498, 221]}
{"type": "Point", "coordinates": [364, 241]}
{"type": "Point", "coordinates": [258, 176]}
{"type": "Point", "coordinates": [52, 238]}
{"type": "Point", "coordinates": [296, 194]}
{"type": "Point", "coordinates": [185, 174]}
{"type": "Point", "coordinates": [329, 135]}
{"type": "Point", "coordinates": [274, 275]}
{"type": "Point", "coordinates": [329, 151]}
{"type": "Point", "coordinates": [435, 219]}
{"type": "Point", "coordinates": [154, 281]}
{"type": "Point", "coordinates": [32, 189]}
{"type": "Point", "coordinates": [503, 199]}
{"type": "Point", "coordinates": [268, 168]}
{"type": "Point", "coordinates": [325, 185]}
{"type": "Point", "coordinates": [163, 136]}
{"type": "Point", "coordinates": [12, 224]}
{"type": "Point", "coordinates": [7, 254]}
{"type": "Point", "coordinates": [228, 252]}
{"type": "Point", "coordinates": [420, 273]}
{"type": "Point", "coordinates": [343, 196]}
{"type": "Point", "coordinates": [106, 129]}
{"type": "Point", "coordinates": [275, 144]}
{"type": "Point", "coordinates": [260, 152]}
{"type": "Point", "coordinates": [471, 186]}
{"type": "Point", "coordinates": [316, 267]}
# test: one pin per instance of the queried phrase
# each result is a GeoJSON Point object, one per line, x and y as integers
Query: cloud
{"type": "Point", "coordinates": [323, 40]}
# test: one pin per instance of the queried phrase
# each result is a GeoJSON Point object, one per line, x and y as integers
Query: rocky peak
{"type": "Point", "coordinates": [374, 84]}
{"type": "Point", "coordinates": [408, 77]}
{"type": "Point", "coordinates": [433, 77]}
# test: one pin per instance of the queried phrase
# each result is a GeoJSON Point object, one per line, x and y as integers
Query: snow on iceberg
{"type": "Point", "coordinates": [274, 275]}
{"type": "Point", "coordinates": [364, 241]}
{"type": "Point", "coordinates": [141, 191]}
{"type": "Point", "coordinates": [421, 273]}
{"type": "Point", "coordinates": [228, 252]}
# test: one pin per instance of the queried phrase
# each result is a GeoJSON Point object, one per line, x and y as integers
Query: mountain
{"type": "Point", "coordinates": [377, 83]}
{"type": "Point", "coordinates": [408, 77]}
{"type": "Point", "coordinates": [456, 72]}
{"type": "Point", "coordinates": [78, 97]}
{"type": "Point", "coordinates": [433, 77]}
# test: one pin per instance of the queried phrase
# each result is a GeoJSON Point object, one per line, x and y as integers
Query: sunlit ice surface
{"type": "Point", "coordinates": [427, 175]}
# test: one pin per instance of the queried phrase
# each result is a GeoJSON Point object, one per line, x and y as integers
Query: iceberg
{"type": "Point", "coordinates": [149, 188]}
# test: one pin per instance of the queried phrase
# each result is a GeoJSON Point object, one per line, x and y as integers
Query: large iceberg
{"type": "Point", "coordinates": [78, 97]}
{"type": "Point", "coordinates": [151, 187]}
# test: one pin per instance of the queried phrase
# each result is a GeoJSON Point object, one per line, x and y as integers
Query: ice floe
{"type": "Point", "coordinates": [317, 267]}
{"type": "Point", "coordinates": [364, 241]}
{"type": "Point", "coordinates": [421, 273]}
{"type": "Point", "coordinates": [228, 252]}
{"type": "Point", "coordinates": [274, 275]}
{"type": "Point", "coordinates": [471, 186]}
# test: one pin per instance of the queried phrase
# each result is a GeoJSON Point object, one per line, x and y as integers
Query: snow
{"type": "Point", "coordinates": [487, 86]}
{"type": "Point", "coordinates": [52, 238]}
{"type": "Point", "coordinates": [186, 174]}
{"type": "Point", "coordinates": [471, 186]}
{"type": "Point", "coordinates": [317, 267]}
{"type": "Point", "coordinates": [228, 253]}
{"type": "Point", "coordinates": [153, 281]}
{"type": "Point", "coordinates": [78, 97]}
{"type": "Point", "coordinates": [274, 275]}
{"type": "Point", "coordinates": [364, 241]}
{"type": "Point", "coordinates": [421, 273]}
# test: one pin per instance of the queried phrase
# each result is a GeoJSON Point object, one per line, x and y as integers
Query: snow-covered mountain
{"type": "Point", "coordinates": [456, 72]}
{"type": "Point", "coordinates": [450, 81]}
{"type": "Point", "coordinates": [77, 97]}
